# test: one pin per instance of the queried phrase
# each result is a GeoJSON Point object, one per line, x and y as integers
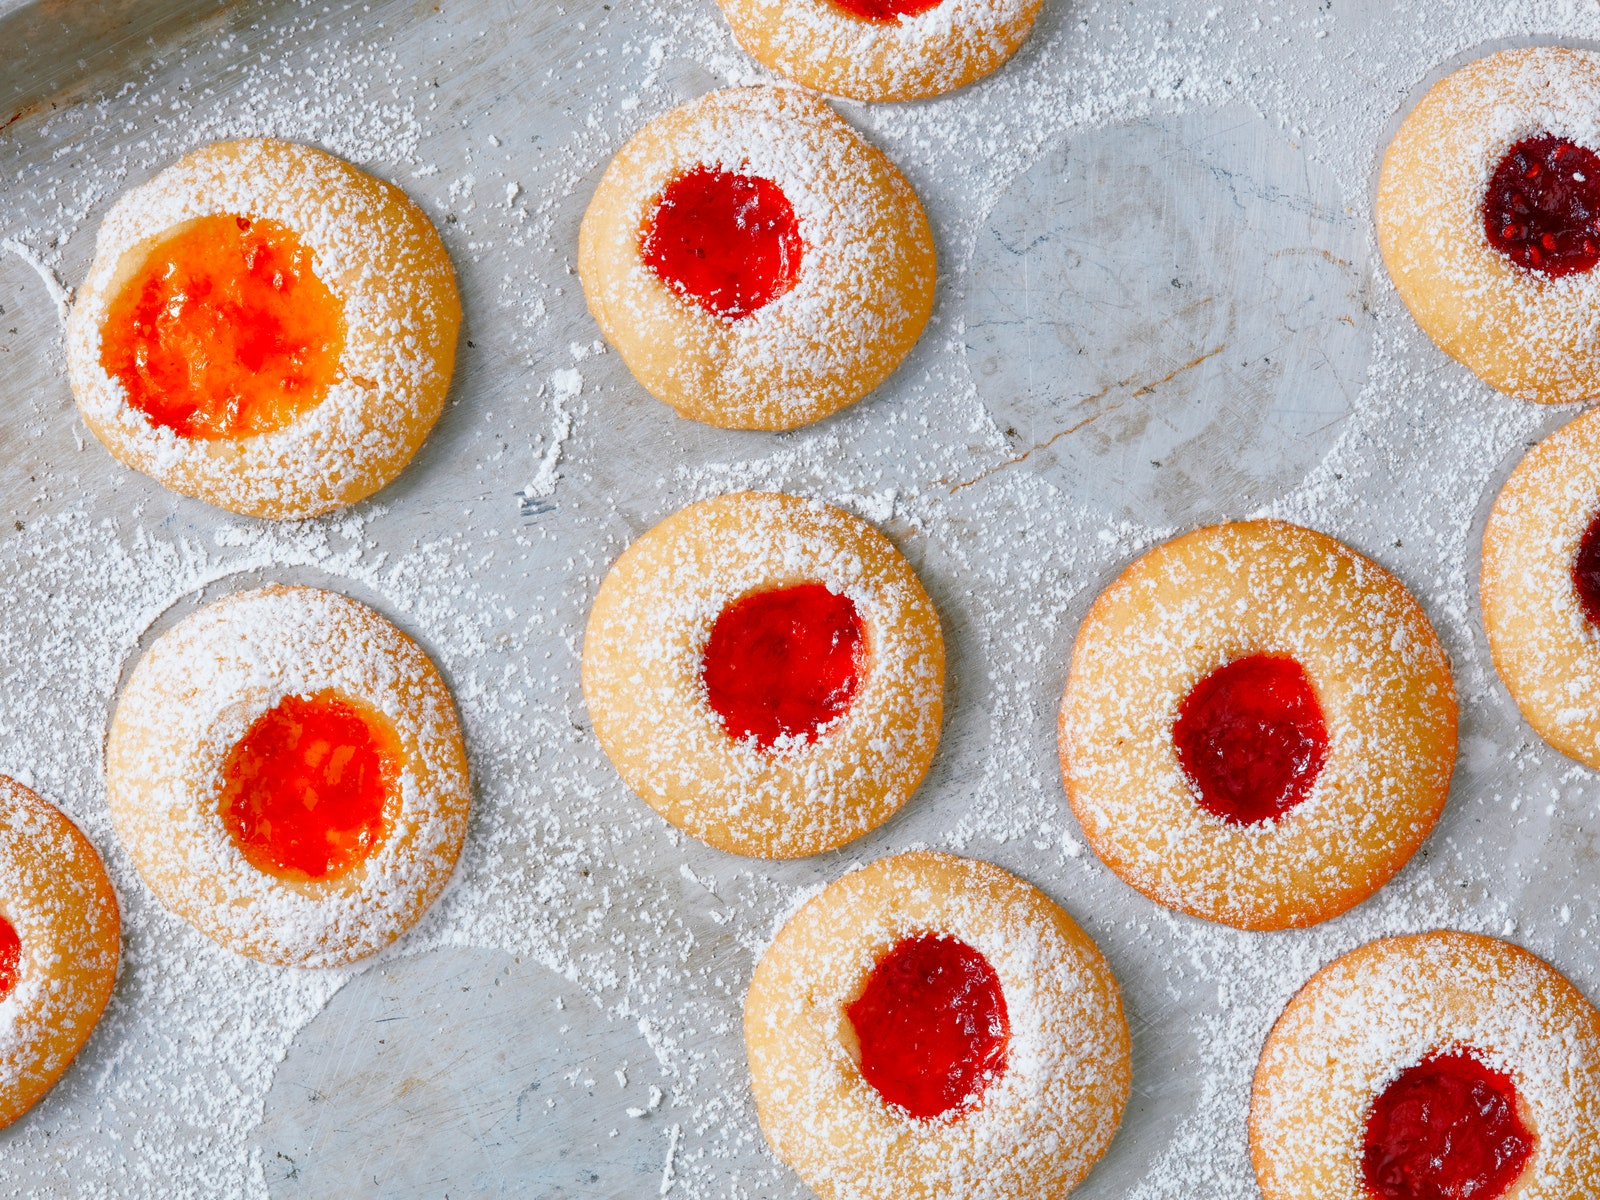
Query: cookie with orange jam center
{"type": "Point", "coordinates": [286, 770]}
{"type": "Point", "coordinates": [226, 330]}
{"type": "Point", "coordinates": [266, 328]}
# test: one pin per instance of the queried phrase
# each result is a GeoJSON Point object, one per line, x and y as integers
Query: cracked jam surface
{"type": "Point", "coordinates": [305, 789]}
{"type": "Point", "coordinates": [932, 1025]}
{"type": "Point", "coordinates": [1251, 739]}
{"type": "Point", "coordinates": [1542, 209]}
{"type": "Point", "coordinates": [225, 330]}
{"type": "Point", "coordinates": [727, 242]}
{"type": "Point", "coordinates": [1446, 1129]}
{"type": "Point", "coordinates": [784, 663]}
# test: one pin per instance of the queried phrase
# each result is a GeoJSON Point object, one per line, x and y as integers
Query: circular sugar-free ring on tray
{"type": "Point", "coordinates": [882, 49]}
{"type": "Point", "coordinates": [1259, 725]}
{"type": "Point", "coordinates": [265, 327]}
{"type": "Point", "coordinates": [755, 262]}
{"type": "Point", "coordinates": [1540, 587]}
{"type": "Point", "coordinates": [60, 936]}
{"type": "Point", "coordinates": [1488, 215]}
{"type": "Point", "coordinates": [767, 673]}
{"type": "Point", "coordinates": [931, 1026]}
{"type": "Point", "coordinates": [1435, 1064]}
{"type": "Point", "coordinates": [286, 770]}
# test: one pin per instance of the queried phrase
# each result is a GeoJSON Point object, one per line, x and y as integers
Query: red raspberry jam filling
{"type": "Point", "coordinates": [932, 1025]}
{"type": "Point", "coordinates": [887, 11]}
{"type": "Point", "coordinates": [225, 330]}
{"type": "Point", "coordinates": [728, 242]}
{"type": "Point", "coordinates": [1447, 1129]}
{"type": "Point", "coordinates": [10, 957]}
{"type": "Point", "coordinates": [783, 663]}
{"type": "Point", "coordinates": [1251, 739]}
{"type": "Point", "coordinates": [1542, 209]}
{"type": "Point", "coordinates": [305, 790]}
{"type": "Point", "coordinates": [1586, 571]}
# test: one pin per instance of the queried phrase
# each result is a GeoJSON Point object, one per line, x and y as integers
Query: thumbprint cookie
{"type": "Point", "coordinates": [1541, 587]}
{"type": "Point", "coordinates": [265, 327]}
{"type": "Point", "coordinates": [1438, 1066]}
{"type": "Point", "coordinates": [287, 773]}
{"type": "Point", "coordinates": [767, 673]}
{"type": "Point", "coordinates": [882, 49]}
{"type": "Point", "coordinates": [1259, 725]}
{"type": "Point", "coordinates": [756, 264]}
{"type": "Point", "coordinates": [60, 936]}
{"type": "Point", "coordinates": [930, 1026]}
{"type": "Point", "coordinates": [1488, 217]}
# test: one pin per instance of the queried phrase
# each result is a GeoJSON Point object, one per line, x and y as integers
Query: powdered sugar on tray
{"type": "Point", "coordinates": [180, 1092]}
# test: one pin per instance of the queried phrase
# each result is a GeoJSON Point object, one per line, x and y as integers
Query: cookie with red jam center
{"type": "Point", "coordinates": [755, 262]}
{"type": "Point", "coordinates": [882, 49]}
{"type": "Point", "coordinates": [1436, 1066]}
{"type": "Point", "coordinates": [1540, 587]}
{"type": "Point", "coordinates": [1488, 216]}
{"type": "Point", "coordinates": [767, 673]}
{"type": "Point", "coordinates": [1258, 727]}
{"type": "Point", "coordinates": [930, 1026]}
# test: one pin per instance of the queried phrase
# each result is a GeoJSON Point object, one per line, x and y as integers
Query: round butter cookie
{"type": "Point", "coordinates": [1430, 1067]}
{"type": "Point", "coordinates": [265, 327]}
{"type": "Point", "coordinates": [767, 673]}
{"type": "Point", "coordinates": [882, 49]}
{"type": "Point", "coordinates": [755, 262]}
{"type": "Point", "coordinates": [1488, 215]}
{"type": "Point", "coordinates": [60, 937]}
{"type": "Point", "coordinates": [930, 1026]}
{"type": "Point", "coordinates": [287, 773]}
{"type": "Point", "coordinates": [1259, 725]}
{"type": "Point", "coordinates": [1540, 587]}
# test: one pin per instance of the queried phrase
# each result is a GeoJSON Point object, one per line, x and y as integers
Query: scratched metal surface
{"type": "Point", "coordinates": [1160, 305]}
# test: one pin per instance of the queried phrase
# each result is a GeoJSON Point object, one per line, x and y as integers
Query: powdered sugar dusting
{"type": "Point", "coordinates": [562, 865]}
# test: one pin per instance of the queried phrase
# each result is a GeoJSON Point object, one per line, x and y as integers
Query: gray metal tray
{"type": "Point", "coordinates": [1160, 304]}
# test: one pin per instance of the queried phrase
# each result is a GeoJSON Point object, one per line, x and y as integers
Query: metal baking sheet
{"type": "Point", "coordinates": [1160, 304]}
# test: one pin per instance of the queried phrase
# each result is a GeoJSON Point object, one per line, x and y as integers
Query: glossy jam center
{"type": "Point", "coordinates": [1447, 1129]}
{"type": "Point", "coordinates": [1542, 209]}
{"type": "Point", "coordinates": [225, 331]}
{"type": "Point", "coordinates": [10, 957]}
{"type": "Point", "coordinates": [887, 11]}
{"type": "Point", "coordinates": [932, 1025]}
{"type": "Point", "coordinates": [728, 242]}
{"type": "Point", "coordinates": [1586, 571]}
{"type": "Point", "coordinates": [1251, 739]}
{"type": "Point", "coordinates": [305, 790]}
{"type": "Point", "coordinates": [783, 663]}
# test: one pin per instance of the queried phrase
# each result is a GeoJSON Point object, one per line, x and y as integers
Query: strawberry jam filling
{"type": "Point", "coordinates": [932, 1025]}
{"type": "Point", "coordinates": [10, 957]}
{"type": "Point", "coordinates": [725, 241]}
{"type": "Point", "coordinates": [225, 330]}
{"type": "Point", "coordinates": [887, 11]}
{"type": "Point", "coordinates": [1586, 571]}
{"type": "Point", "coordinates": [1542, 210]}
{"type": "Point", "coordinates": [783, 663]}
{"type": "Point", "coordinates": [1251, 739]}
{"type": "Point", "coordinates": [1447, 1129]}
{"type": "Point", "coordinates": [305, 790]}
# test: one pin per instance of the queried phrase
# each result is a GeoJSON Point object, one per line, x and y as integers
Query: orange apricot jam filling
{"type": "Point", "coordinates": [225, 330]}
{"type": "Point", "coordinates": [305, 791]}
{"type": "Point", "coordinates": [10, 957]}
